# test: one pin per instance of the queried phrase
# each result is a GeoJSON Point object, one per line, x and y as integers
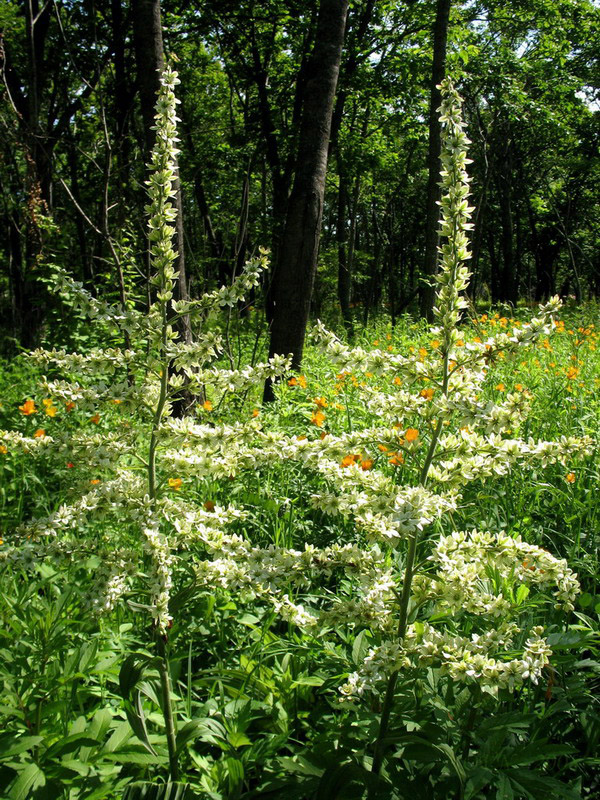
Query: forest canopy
{"type": "Point", "coordinates": [77, 109]}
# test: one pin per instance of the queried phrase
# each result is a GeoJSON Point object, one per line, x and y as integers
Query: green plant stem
{"type": "Point", "coordinates": [167, 707]}
{"type": "Point", "coordinates": [388, 700]}
{"type": "Point", "coordinates": [160, 407]}
{"type": "Point", "coordinates": [163, 667]}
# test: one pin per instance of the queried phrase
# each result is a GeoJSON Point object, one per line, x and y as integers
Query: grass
{"type": "Point", "coordinates": [257, 700]}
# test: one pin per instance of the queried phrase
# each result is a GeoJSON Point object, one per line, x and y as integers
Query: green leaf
{"type": "Point", "coordinates": [130, 673]}
{"type": "Point", "coordinates": [69, 744]}
{"type": "Point", "coordinates": [144, 790]}
{"type": "Point", "coordinates": [31, 777]}
{"type": "Point", "coordinates": [120, 735]}
{"type": "Point", "coordinates": [504, 790]}
{"type": "Point", "coordinates": [238, 739]}
{"type": "Point", "coordinates": [308, 680]}
{"type": "Point", "coordinates": [235, 770]}
{"type": "Point", "coordinates": [538, 751]}
{"type": "Point", "coordinates": [21, 745]}
{"type": "Point", "coordinates": [137, 720]}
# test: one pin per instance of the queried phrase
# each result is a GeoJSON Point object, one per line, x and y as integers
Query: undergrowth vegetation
{"type": "Point", "coordinates": [382, 585]}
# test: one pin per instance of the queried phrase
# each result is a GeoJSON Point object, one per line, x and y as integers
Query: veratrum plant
{"type": "Point", "coordinates": [111, 518]}
{"type": "Point", "coordinates": [464, 611]}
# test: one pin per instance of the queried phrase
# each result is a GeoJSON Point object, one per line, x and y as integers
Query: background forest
{"type": "Point", "coordinates": [79, 80]}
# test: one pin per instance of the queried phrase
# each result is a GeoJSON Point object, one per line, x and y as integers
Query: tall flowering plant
{"type": "Point", "coordinates": [135, 505]}
{"type": "Point", "coordinates": [429, 434]}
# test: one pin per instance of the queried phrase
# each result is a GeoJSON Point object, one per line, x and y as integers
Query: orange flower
{"type": "Point", "coordinates": [397, 381]}
{"type": "Point", "coordinates": [383, 448]}
{"type": "Point", "coordinates": [209, 505]}
{"type": "Point", "coordinates": [366, 464]}
{"type": "Point", "coordinates": [427, 393]}
{"type": "Point", "coordinates": [570, 477]}
{"type": "Point", "coordinates": [323, 434]}
{"type": "Point", "coordinates": [49, 407]}
{"type": "Point", "coordinates": [411, 434]}
{"type": "Point", "coordinates": [396, 459]}
{"type": "Point", "coordinates": [302, 381]}
{"type": "Point", "coordinates": [300, 438]}
{"type": "Point", "coordinates": [292, 382]}
{"type": "Point", "coordinates": [460, 343]}
{"type": "Point", "coordinates": [3, 449]}
{"type": "Point", "coordinates": [572, 372]}
{"type": "Point", "coordinates": [320, 402]}
{"type": "Point", "coordinates": [500, 387]}
{"type": "Point", "coordinates": [255, 412]}
{"type": "Point", "coordinates": [435, 344]}
{"type": "Point", "coordinates": [347, 461]}
{"type": "Point", "coordinates": [95, 419]}
{"type": "Point", "coordinates": [28, 408]}
{"type": "Point", "coordinates": [39, 433]}
{"type": "Point", "coordinates": [518, 387]}
{"type": "Point", "coordinates": [318, 418]}
{"type": "Point", "coordinates": [175, 483]}
{"type": "Point", "coordinates": [207, 405]}
{"type": "Point", "coordinates": [95, 481]}
{"type": "Point", "coordinates": [70, 405]}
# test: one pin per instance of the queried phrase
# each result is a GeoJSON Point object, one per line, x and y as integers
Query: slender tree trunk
{"type": "Point", "coordinates": [508, 289]}
{"type": "Point", "coordinates": [288, 303]}
{"type": "Point", "coordinates": [344, 277]}
{"type": "Point", "coordinates": [432, 214]}
{"type": "Point", "coordinates": [149, 54]}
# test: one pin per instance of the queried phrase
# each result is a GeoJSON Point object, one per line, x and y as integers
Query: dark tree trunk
{"type": "Point", "coordinates": [509, 286]}
{"type": "Point", "coordinates": [288, 302]}
{"type": "Point", "coordinates": [432, 213]}
{"type": "Point", "coordinates": [149, 55]}
{"type": "Point", "coordinates": [344, 277]}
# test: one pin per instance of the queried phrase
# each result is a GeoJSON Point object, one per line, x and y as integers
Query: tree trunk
{"type": "Point", "coordinates": [341, 235]}
{"type": "Point", "coordinates": [288, 302]}
{"type": "Point", "coordinates": [149, 55]}
{"type": "Point", "coordinates": [432, 213]}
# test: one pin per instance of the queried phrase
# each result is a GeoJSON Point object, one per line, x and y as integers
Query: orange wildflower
{"type": "Point", "coordinates": [28, 408]}
{"type": "Point", "coordinates": [207, 405]}
{"type": "Point", "coordinates": [396, 459]}
{"type": "Point", "coordinates": [500, 387]}
{"type": "Point", "coordinates": [175, 483]}
{"type": "Point", "coordinates": [318, 418]}
{"type": "Point", "coordinates": [95, 481]}
{"type": "Point", "coordinates": [366, 464]}
{"type": "Point", "coordinates": [255, 412]}
{"type": "Point", "coordinates": [69, 405]}
{"type": "Point", "coordinates": [39, 433]}
{"type": "Point", "coordinates": [411, 434]}
{"type": "Point", "coordinates": [3, 449]}
{"type": "Point", "coordinates": [95, 419]}
{"type": "Point", "coordinates": [427, 393]}
{"type": "Point", "coordinates": [320, 402]}
{"type": "Point", "coordinates": [570, 477]}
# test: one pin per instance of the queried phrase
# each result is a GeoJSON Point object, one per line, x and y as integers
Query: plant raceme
{"type": "Point", "coordinates": [431, 433]}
